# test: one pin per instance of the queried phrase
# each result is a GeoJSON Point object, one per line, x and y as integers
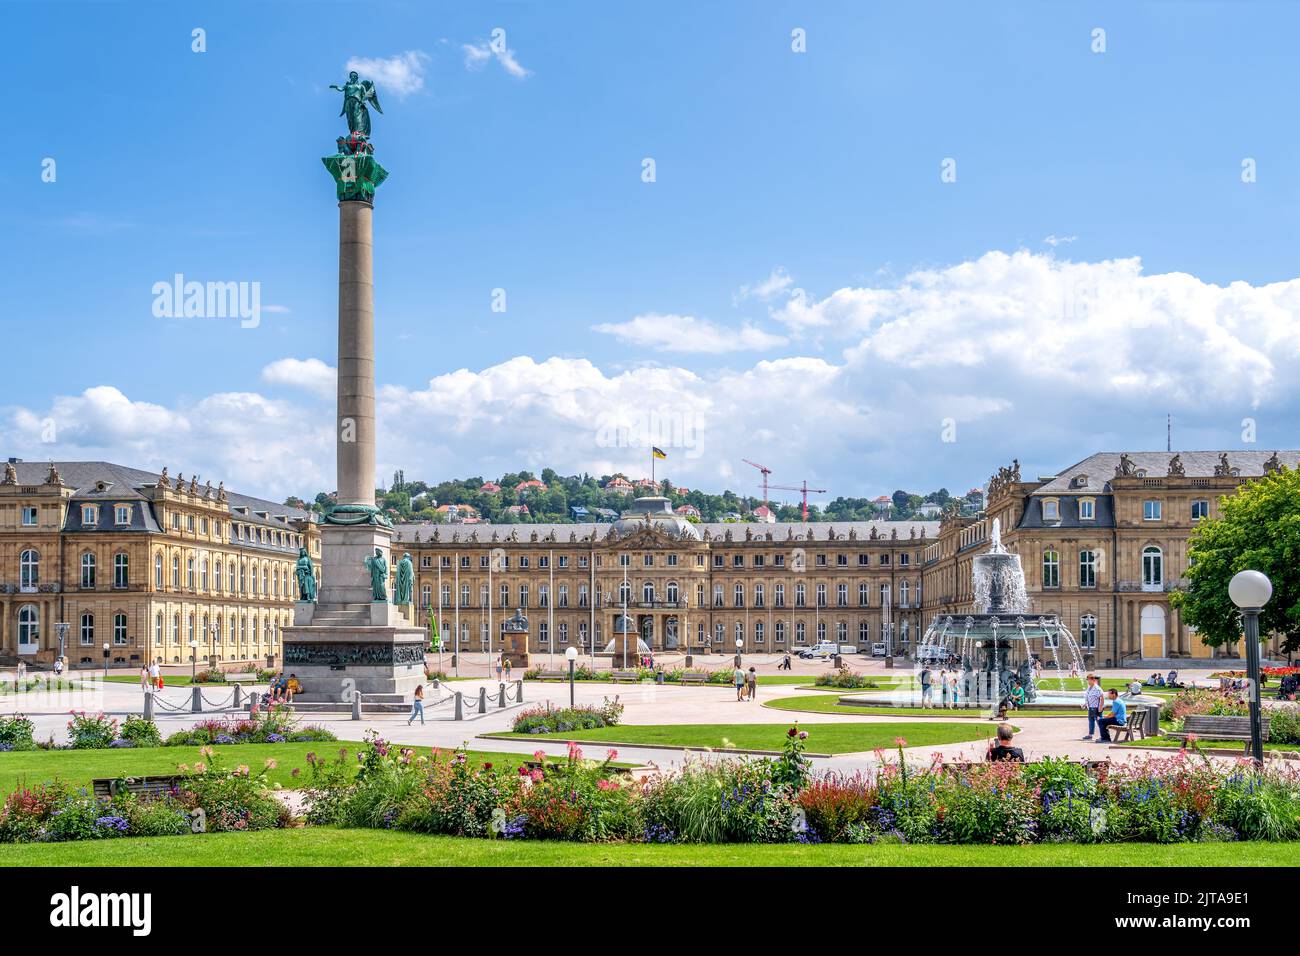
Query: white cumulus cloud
{"type": "Point", "coordinates": [686, 333]}
{"type": "Point", "coordinates": [401, 75]}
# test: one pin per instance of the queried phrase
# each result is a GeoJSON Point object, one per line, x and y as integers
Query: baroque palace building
{"type": "Point", "coordinates": [153, 567]}
{"type": "Point", "coordinates": [686, 587]}
{"type": "Point", "coordinates": [1102, 543]}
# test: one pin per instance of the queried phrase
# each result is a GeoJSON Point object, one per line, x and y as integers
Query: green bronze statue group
{"type": "Point", "coordinates": [377, 565]}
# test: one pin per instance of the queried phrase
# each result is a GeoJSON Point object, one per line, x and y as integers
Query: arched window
{"type": "Point", "coordinates": [176, 628]}
{"type": "Point", "coordinates": [176, 570]}
{"type": "Point", "coordinates": [203, 573]}
{"type": "Point", "coordinates": [29, 570]}
{"type": "Point", "coordinates": [1153, 568]}
{"type": "Point", "coordinates": [904, 591]}
{"type": "Point", "coordinates": [672, 592]}
{"type": "Point", "coordinates": [158, 629]}
{"type": "Point", "coordinates": [1087, 569]}
{"type": "Point", "coordinates": [648, 592]}
{"type": "Point", "coordinates": [121, 570]}
{"type": "Point", "coordinates": [119, 629]}
{"type": "Point", "coordinates": [1088, 632]}
{"type": "Point", "coordinates": [87, 570]}
{"type": "Point", "coordinates": [738, 596]}
{"type": "Point", "coordinates": [216, 574]}
{"type": "Point", "coordinates": [157, 571]}
{"type": "Point", "coordinates": [1051, 569]}
{"type": "Point", "coordinates": [87, 629]}
{"type": "Point", "coordinates": [29, 628]}
{"type": "Point", "coordinates": [624, 592]}
{"type": "Point", "coordinates": [189, 572]}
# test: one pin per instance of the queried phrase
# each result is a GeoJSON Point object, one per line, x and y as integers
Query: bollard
{"type": "Point", "coordinates": [239, 690]}
{"type": "Point", "coordinates": [501, 698]}
{"type": "Point", "coordinates": [460, 711]}
{"type": "Point", "coordinates": [148, 706]}
{"type": "Point", "coordinates": [196, 700]}
{"type": "Point", "coordinates": [356, 706]}
{"type": "Point", "coordinates": [482, 700]}
{"type": "Point", "coordinates": [520, 691]}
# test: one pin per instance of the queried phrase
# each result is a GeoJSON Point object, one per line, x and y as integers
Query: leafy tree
{"type": "Point", "coordinates": [1258, 528]}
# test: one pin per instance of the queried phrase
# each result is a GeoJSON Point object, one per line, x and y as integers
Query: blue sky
{"type": "Point", "coordinates": [797, 286]}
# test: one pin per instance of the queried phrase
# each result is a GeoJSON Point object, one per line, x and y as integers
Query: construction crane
{"type": "Point", "coordinates": [804, 489]}
{"type": "Point", "coordinates": [765, 470]}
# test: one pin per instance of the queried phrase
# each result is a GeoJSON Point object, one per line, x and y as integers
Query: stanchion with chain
{"type": "Point", "coordinates": [482, 700]}
{"type": "Point", "coordinates": [196, 700]}
{"type": "Point", "coordinates": [460, 709]}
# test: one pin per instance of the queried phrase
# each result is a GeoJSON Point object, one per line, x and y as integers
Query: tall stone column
{"type": "Point", "coordinates": [355, 439]}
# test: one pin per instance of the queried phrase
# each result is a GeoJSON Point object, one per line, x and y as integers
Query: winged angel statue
{"type": "Point", "coordinates": [356, 94]}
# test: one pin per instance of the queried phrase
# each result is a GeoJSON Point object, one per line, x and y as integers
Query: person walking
{"type": "Point", "coordinates": [927, 692]}
{"type": "Point", "coordinates": [417, 705]}
{"type": "Point", "coordinates": [508, 665]}
{"type": "Point", "coordinates": [956, 690]}
{"type": "Point", "coordinates": [1092, 702]}
{"type": "Point", "coordinates": [146, 681]}
{"type": "Point", "coordinates": [500, 666]}
{"type": "Point", "coordinates": [738, 676]}
{"type": "Point", "coordinates": [155, 676]}
{"type": "Point", "coordinates": [751, 684]}
{"type": "Point", "coordinates": [785, 661]}
{"type": "Point", "coordinates": [943, 688]}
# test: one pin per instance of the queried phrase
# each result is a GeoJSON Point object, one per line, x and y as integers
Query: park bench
{"type": "Point", "coordinates": [625, 677]}
{"type": "Point", "coordinates": [552, 675]}
{"type": "Point", "coordinates": [1231, 729]}
{"type": "Point", "coordinates": [107, 787]}
{"type": "Point", "coordinates": [242, 678]}
{"type": "Point", "coordinates": [693, 679]}
{"type": "Point", "coordinates": [1098, 767]}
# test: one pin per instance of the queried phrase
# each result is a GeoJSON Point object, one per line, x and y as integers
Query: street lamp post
{"type": "Point", "coordinates": [1250, 591]}
{"type": "Point", "coordinates": [106, 660]}
{"type": "Point", "coordinates": [62, 629]}
{"type": "Point", "coordinates": [571, 655]}
{"type": "Point", "coordinates": [740, 645]}
{"type": "Point", "coordinates": [194, 659]}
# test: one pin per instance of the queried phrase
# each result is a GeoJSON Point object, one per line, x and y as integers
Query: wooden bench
{"type": "Point", "coordinates": [107, 787]}
{"type": "Point", "coordinates": [1098, 767]}
{"type": "Point", "coordinates": [1230, 729]}
{"type": "Point", "coordinates": [690, 678]}
{"type": "Point", "coordinates": [552, 675]}
{"type": "Point", "coordinates": [620, 677]}
{"type": "Point", "coordinates": [242, 678]}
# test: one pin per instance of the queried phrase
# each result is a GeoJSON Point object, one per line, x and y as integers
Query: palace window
{"type": "Point", "coordinates": [203, 573]}
{"type": "Point", "coordinates": [29, 626]}
{"type": "Point", "coordinates": [582, 595]}
{"type": "Point", "coordinates": [189, 573]}
{"type": "Point", "coordinates": [564, 632]}
{"type": "Point", "coordinates": [740, 632]}
{"type": "Point", "coordinates": [778, 560]}
{"type": "Point", "coordinates": [758, 595]}
{"type": "Point", "coordinates": [821, 632]}
{"type": "Point", "coordinates": [1087, 569]}
{"type": "Point", "coordinates": [29, 517]}
{"type": "Point", "coordinates": [780, 632]}
{"type": "Point", "coordinates": [864, 594]}
{"type": "Point", "coordinates": [864, 634]}
{"type": "Point", "coordinates": [864, 560]}
{"type": "Point", "coordinates": [29, 570]}
{"type": "Point", "coordinates": [543, 632]}
{"type": "Point", "coordinates": [800, 632]}
{"type": "Point", "coordinates": [544, 561]}
{"type": "Point", "coordinates": [564, 561]}
{"type": "Point", "coordinates": [1088, 632]}
{"type": "Point", "coordinates": [801, 595]}
{"type": "Point", "coordinates": [122, 514]}
{"type": "Point", "coordinates": [648, 592]}
{"type": "Point", "coordinates": [90, 514]}
{"type": "Point", "coordinates": [780, 595]}
{"type": "Point", "coordinates": [821, 595]}
{"type": "Point", "coordinates": [543, 595]}
{"type": "Point", "coordinates": [87, 629]}
{"type": "Point", "coordinates": [426, 595]}
{"type": "Point", "coordinates": [719, 631]}
{"type": "Point", "coordinates": [464, 595]}
{"type": "Point", "coordinates": [564, 595]}
{"type": "Point", "coordinates": [821, 560]}
{"type": "Point", "coordinates": [1200, 509]}
{"type": "Point", "coordinates": [158, 629]}
{"type": "Point", "coordinates": [121, 570]}
{"type": "Point", "coordinates": [1087, 509]}
{"type": "Point", "coordinates": [904, 590]}
{"type": "Point", "coordinates": [673, 593]}
{"type": "Point", "coordinates": [1153, 569]}
{"type": "Point", "coordinates": [842, 632]}
{"type": "Point", "coordinates": [717, 595]}
{"type": "Point", "coordinates": [1051, 509]}
{"type": "Point", "coordinates": [758, 632]}
{"type": "Point", "coordinates": [841, 595]}
{"type": "Point", "coordinates": [87, 570]}
{"type": "Point", "coordinates": [1151, 509]}
{"type": "Point", "coordinates": [738, 596]}
{"type": "Point", "coordinates": [647, 561]}
{"type": "Point", "coordinates": [1051, 569]}
{"type": "Point", "coordinates": [445, 596]}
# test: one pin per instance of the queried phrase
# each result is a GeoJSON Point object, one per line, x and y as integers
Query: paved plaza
{"type": "Point", "coordinates": [645, 703]}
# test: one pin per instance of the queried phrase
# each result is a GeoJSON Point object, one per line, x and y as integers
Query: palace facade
{"type": "Point", "coordinates": [1102, 543]}
{"type": "Point", "coordinates": [158, 567]}
{"type": "Point", "coordinates": [144, 565]}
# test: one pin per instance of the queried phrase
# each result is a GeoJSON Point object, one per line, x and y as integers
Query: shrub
{"type": "Point", "coordinates": [230, 799]}
{"type": "Point", "coordinates": [211, 675]}
{"type": "Point", "coordinates": [140, 732]}
{"type": "Point", "coordinates": [992, 803]}
{"type": "Point", "coordinates": [725, 801]}
{"type": "Point", "coordinates": [16, 733]}
{"type": "Point", "coordinates": [1260, 806]}
{"type": "Point", "coordinates": [91, 732]}
{"type": "Point", "coordinates": [838, 807]}
{"type": "Point", "coordinates": [550, 720]}
{"type": "Point", "coordinates": [1284, 724]}
{"type": "Point", "coordinates": [1210, 703]}
{"type": "Point", "coordinates": [845, 678]}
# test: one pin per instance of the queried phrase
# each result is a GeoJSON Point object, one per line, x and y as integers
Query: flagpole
{"type": "Point", "coordinates": [550, 607]}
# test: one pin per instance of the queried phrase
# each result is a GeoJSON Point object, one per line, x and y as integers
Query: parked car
{"type": "Point", "coordinates": [932, 652]}
{"type": "Point", "coordinates": [879, 650]}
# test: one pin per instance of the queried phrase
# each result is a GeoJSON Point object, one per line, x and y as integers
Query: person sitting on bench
{"type": "Point", "coordinates": [1114, 716]}
{"type": "Point", "coordinates": [1003, 749]}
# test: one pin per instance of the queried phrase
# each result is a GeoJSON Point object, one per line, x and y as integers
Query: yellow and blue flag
{"type": "Point", "coordinates": [658, 452]}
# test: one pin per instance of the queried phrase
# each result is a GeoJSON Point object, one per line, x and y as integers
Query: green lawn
{"type": "Point", "coordinates": [321, 846]}
{"type": "Point", "coordinates": [822, 738]}
{"type": "Point", "coordinates": [828, 705]}
{"type": "Point", "coordinates": [169, 680]}
{"type": "Point", "coordinates": [79, 767]}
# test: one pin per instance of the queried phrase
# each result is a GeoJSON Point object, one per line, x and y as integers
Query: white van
{"type": "Point", "coordinates": [879, 650]}
{"type": "Point", "coordinates": [932, 652]}
{"type": "Point", "coordinates": [824, 649]}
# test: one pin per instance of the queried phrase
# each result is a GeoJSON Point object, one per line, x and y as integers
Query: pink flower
{"type": "Point", "coordinates": [270, 764]}
{"type": "Point", "coordinates": [537, 776]}
{"type": "Point", "coordinates": [539, 755]}
{"type": "Point", "coordinates": [899, 741]}
{"type": "Point", "coordinates": [611, 754]}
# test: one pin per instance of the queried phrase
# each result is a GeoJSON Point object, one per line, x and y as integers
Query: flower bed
{"type": "Point", "coordinates": [551, 720]}
{"type": "Point", "coordinates": [208, 798]}
{"type": "Point", "coordinates": [16, 733]}
{"type": "Point", "coordinates": [274, 725]}
{"type": "Point", "coordinates": [1184, 797]}
{"type": "Point", "coordinates": [845, 678]}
